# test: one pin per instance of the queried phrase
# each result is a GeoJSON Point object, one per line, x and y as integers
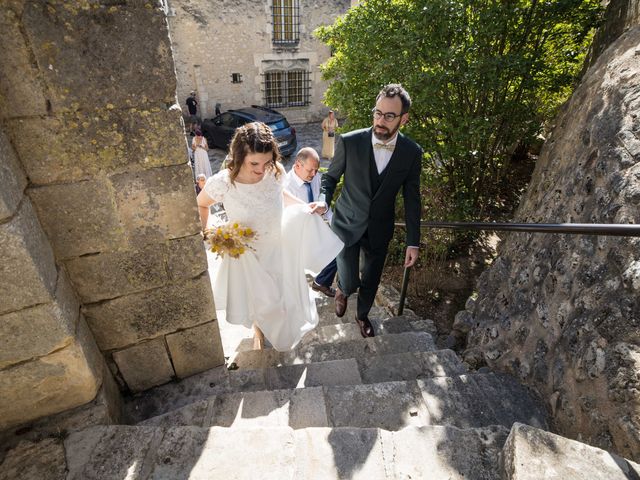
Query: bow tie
{"type": "Point", "coordinates": [384, 146]}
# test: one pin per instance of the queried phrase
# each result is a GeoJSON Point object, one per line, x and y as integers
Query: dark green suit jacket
{"type": "Point", "coordinates": [358, 208]}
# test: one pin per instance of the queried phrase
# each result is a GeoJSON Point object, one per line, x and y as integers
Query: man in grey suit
{"type": "Point", "coordinates": [376, 163]}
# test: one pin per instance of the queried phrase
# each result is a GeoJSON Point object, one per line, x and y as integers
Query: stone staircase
{"type": "Point", "coordinates": [339, 406]}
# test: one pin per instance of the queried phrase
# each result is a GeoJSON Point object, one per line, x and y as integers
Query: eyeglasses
{"type": "Point", "coordinates": [388, 117]}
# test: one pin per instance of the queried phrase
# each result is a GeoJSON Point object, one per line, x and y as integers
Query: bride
{"type": "Point", "coordinates": [265, 288]}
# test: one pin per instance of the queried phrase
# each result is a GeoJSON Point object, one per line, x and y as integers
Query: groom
{"type": "Point", "coordinates": [376, 163]}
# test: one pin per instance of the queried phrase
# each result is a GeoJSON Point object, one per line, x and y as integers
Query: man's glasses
{"type": "Point", "coordinates": [388, 117]}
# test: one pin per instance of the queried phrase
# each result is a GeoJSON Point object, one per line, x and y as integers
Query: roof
{"type": "Point", "coordinates": [261, 114]}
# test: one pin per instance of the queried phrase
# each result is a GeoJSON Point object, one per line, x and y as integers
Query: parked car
{"type": "Point", "coordinates": [219, 130]}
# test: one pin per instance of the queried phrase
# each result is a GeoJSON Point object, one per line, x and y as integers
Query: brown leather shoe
{"type": "Point", "coordinates": [328, 291]}
{"type": "Point", "coordinates": [341, 303]}
{"type": "Point", "coordinates": [366, 329]}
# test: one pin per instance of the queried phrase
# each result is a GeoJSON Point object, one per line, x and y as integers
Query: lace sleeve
{"type": "Point", "coordinates": [217, 185]}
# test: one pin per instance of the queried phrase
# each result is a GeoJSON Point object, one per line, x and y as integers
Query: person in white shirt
{"type": "Point", "coordinates": [303, 182]}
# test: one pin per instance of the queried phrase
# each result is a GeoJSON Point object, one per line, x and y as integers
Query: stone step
{"type": "Point", "coordinates": [465, 401]}
{"type": "Point", "coordinates": [341, 332]}
{"type": "Point", "coordinates": [326, 311]}
{"type": "Point", "coordinates": [531, 454]}
{"type": "Point", "coordinates": [219, 380]}
{"type": "Point", "coordinates": [283, 453]}
{"type": "Point", "coordinates": [360, 348]}
{"type": "Point", "coordinates": [410, 366]}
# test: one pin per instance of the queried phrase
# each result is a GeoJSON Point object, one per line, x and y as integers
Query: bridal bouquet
{"type": "Point", "coordinates": [230, 239]}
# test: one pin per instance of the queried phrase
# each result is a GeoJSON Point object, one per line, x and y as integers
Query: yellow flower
{"type": "Point", "coordinates": [231, 239]}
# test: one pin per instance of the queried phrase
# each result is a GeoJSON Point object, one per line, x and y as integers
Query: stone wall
{"type": "Point", "coordinates": [99, 235]}
{"type": "Point", "coordinates": [212, 40]}
{"type": "Point", "coordinates": [562, 312]}
{"type": "Point", "coordinates": [49, 361]}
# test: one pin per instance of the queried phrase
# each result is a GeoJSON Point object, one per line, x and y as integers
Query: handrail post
{"type": "Point", "coordinates": [403, 291]}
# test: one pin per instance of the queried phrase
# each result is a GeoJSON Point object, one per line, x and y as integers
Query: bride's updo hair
{"type": "Point", "coordinates": [253, 137]}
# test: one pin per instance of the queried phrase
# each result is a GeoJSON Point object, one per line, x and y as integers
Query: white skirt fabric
{"type": "Point", "coordinates": [272, 291]}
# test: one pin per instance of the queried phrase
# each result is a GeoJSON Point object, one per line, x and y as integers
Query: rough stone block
{"type": "Point", "coordinates": [114, 274]}
{"type": "Point", "coordinates": [186, 257]}
{"type": "Point", "coordinates": [76, 146]}
{"type": "Point", "coordinates": [105, 409]}
{"type": "Point", "coordinates": [298, 408]}
{"type": "Point", "coordinates": [110, 452]}
{"type": "Point", "coordinates": [83, 50]}
{"type": "Point", "coordinates": [145, 365]}
{"type": "Point", "coordinates": [16, 61]}
{"type": "Point", "coordinates": [27, 270]}
{"type": "Point", "coordinates": [12, 178]}
{"type": "Point", "coordinates": [530, 453]}
{"type": "Point", "coordinates": [128, 320]}
{"type": "Point", "coordinates": [222, 453]}
{"type": "Point", "coordinates": [35, 461]}
{"type": "Point", "coordinates": [443, 452]}
{"type": "Point", "coordinates": [410, 365]}
{"type": "Point", "coordinates": [390, 405]}
{"type": "Point", "coordinates": [62, 380]}
{"type": "Point", "coordinates": [341, 453]}
{"type": "Point", "coordinates": [333, 372]}
{"type": "Point", "coordinates": [79, 218]}
{"type": "Point", "coordinates": [38, 331]}
{"type": "Point", "coordinates": [196, 349]}
{"type": "Point", "coordinates": [157, 204]}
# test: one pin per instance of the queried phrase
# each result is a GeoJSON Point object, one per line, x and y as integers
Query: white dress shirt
{"type": "Point", "coordinates": [295, 185]}
{"type": "Point", "coordinates": [381, 155]}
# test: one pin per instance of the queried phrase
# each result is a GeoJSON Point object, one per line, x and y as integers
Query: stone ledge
{"type": "Point", "coordinates": [84, 54]}
{"type": "Point", "coordinates": [134, 318]}
{"type": "Point", "coordinates": [38, 331]}
{"type": "Point", "coordinates": [28, 272]}
{"type": "Point", "coordinates": [80, 146]}
{"type": "Point", "coordinates": [196, 349]}
{"type": "Point", "coordinates": [12, 178]}
{"type": "Point", "coordinates": [56, 382]}
{"type": "Point", "coordinates": [532, 454]}
{"type": "Point", "coordinates": [145, 365]}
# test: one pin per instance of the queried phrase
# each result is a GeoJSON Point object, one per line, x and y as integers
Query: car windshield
{"type": "Point", "coordinates": [279, 125]}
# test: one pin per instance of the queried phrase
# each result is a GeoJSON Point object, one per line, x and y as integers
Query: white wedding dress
{"type": "Point", "coordinates": [267, 286]}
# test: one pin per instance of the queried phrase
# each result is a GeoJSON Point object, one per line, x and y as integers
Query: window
{"type": "Point", "coordinates": [286, 22]}
{"type": "Point", "coordinates": [236, 78]}
{"type": "Point", "coordinates": [286, 88]}
{"type": "Point", "coordinates": [227, 120]}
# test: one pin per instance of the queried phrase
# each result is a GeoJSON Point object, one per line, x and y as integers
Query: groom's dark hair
{"type": "Point", "coordinates": [396, 90]}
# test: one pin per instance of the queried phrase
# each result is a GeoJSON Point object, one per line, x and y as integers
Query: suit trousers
{"type": "Point", "coordinates": [328, 273]}
{"type": "Point", "coordinates": [363, 277]}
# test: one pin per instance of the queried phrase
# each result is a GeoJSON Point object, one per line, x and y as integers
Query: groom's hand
{"type": "Point", "coordinates": [411, 257]}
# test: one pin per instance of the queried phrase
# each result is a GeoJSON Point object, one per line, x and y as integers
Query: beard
{"type": "Point", "coordinates": [386, 134]}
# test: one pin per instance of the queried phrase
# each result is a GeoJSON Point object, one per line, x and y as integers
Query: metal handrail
{"type": "Point", "coordinates": [605, 229]}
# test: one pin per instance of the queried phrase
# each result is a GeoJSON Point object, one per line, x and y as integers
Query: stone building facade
{"type": "Point", "coordinates": [562, 312]}
{"type": "Point", "coordinates": [103, 279]}
{"type": "Point", "coordinates": [244, 53]}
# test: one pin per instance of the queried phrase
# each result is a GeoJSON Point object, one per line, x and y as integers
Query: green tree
{"type": "Point", "coordinates": [484, 76]}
